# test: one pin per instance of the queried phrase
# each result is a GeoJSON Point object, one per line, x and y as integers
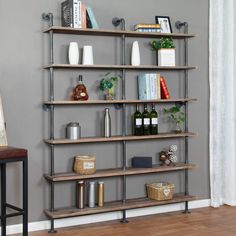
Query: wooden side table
{"type": "Point", "coordinates": [12, 154]}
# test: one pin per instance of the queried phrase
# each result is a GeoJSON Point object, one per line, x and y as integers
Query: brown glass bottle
{"type": "Point", "coordinates": [80, 91]}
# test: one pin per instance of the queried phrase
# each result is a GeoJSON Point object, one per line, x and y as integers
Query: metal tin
{"type": "Point", "coordinates": [80, 194]}
{"type": "Point", "coordinates": [73, 130]}
{"type": "Point", "coordinates": [100, 194]}
{"type": "Point", "coordinates": [91, 200]}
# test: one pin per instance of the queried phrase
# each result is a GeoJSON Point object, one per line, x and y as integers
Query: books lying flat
{"type": "Point", "coordinates": [147, 28]}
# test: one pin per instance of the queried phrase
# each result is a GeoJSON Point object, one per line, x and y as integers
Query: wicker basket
{"type": "Point", "coordinates": [160, 191]}
{"type": "Point", "coordinates": [84, 165]}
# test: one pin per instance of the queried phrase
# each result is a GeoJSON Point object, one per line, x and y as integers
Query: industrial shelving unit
{"type": "Point", "coordinates": [53, 177]}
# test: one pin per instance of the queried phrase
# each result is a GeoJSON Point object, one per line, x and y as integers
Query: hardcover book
{"type": "Point", "coordinates": [71, 13]}
{"type": "Point", "coordinates": [92, 18]}
{"type": "Point", "coordinates": [143, 87]}
{"type": "Point", "coordinates": [164, 90]}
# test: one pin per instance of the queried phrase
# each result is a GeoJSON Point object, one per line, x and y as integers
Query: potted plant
{"type": "Point", "coordinates": [177, 116]}
{"type": "Point", "coordinates": [165, 49]}
{"type": "Point", "coordinates": [108, 85]}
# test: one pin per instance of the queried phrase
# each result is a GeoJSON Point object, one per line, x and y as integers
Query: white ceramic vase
{"type": "Point", "coordinates": [135, 54]}
{"type": "Point", "coordinates": [73, 53]}
{"type": "Point", "coordinates": [88, 55]}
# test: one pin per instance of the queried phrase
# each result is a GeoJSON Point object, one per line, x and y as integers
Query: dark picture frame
{"type": "Point", "coordinates": [165, 23]}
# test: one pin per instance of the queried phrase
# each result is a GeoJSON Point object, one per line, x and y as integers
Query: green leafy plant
{"type": "Point", "coordinates": [108, 83]}
{"type": "Point", "coordinates": [166, 42]}
{"type": "Point", "coordinates": [176, 115]}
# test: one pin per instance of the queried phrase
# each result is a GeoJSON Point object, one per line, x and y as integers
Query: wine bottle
{"type": "Point", "coordinates": [138, 128]}
{"type": "Point", "coordinates": [146, 121]}
{"type": "Point", "coordinates": [154, 120]}
{"type": "Point", "coordinates": [80, 91]}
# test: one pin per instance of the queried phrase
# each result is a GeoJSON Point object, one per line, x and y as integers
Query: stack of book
{"type": "Point", "coordinates": [152, 86]}
{"type": "Point", "coordinates": [147, 27]}
{"type": "Point", "coordinates": [76, 14]}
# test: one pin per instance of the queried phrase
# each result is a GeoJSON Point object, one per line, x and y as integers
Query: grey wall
{"type": "Point", "coordinates": [24, 85]}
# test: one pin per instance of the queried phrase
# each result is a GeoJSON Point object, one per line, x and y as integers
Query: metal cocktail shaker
{"type": "Point", "coordinates": [80, 194]}
{"type": "Point", "coordinates": [91, 200]}
{"type": "Point", "coordinates": [107, 123]}
{"type": "Point", "coordinates": [73, 130]}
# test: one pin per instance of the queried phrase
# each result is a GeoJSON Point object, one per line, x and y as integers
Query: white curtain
{"type": "Point", "coordinates": [222, 72]}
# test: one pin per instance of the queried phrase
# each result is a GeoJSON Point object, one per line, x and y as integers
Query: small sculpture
{"type": "Point", "coordinates": [168, 158]}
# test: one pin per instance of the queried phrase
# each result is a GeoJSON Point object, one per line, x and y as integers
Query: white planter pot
{"type": "Point", "coordinates": [166, 57]}
{"type": "Point", "coordinates": [135, 54]}
{"type": "Point", "coordinates": [73, 53]}
{"type": "Point", "coordinates": [87, 55]}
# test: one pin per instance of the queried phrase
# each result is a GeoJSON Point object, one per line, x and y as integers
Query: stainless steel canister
{"type": "Point", "coordinates": [107, 123]}
{"type": "Point", "coordinates": [73, 130]}
{"type": "Point", "coordinates": [91, 200]}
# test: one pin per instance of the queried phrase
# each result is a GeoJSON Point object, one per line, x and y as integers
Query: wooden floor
{"type": "Point", "coordinates": [201, 222]}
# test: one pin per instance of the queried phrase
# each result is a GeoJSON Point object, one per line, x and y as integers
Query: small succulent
{"type": "Point", "coordinates": [108, 82]}
{"type": "Point", "coordinates": [164, 42]}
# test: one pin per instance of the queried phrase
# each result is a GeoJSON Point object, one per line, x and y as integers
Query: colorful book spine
{"type": "Point", "coordinates": [144, 87]}
{"type": "Point", "coordinates": [147, 26]}
{"type": "Point", "coordinates": [84, 18]}
{"type": "Point", "coordinates": [164, 90]}
{"type": "Point", "coordinates": [158, 86]}
{"type": "Point", "coordinates": [92, 17]}
{"type": "Point", "coordinates": [71, 13]}
{"type": "Point", "coordinates": [88, 21]}
{"type": "Point", "coordinates": [153, 86]}
{"type": "Point", "coordinates": [78, 17]}
{"type": "Point", "coordinates": [148, 30]}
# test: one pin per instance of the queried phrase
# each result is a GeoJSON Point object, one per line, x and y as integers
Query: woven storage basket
{"type": "Point", "coordinates": [84, 165]}
{"type": "Point", "coordinates": [160, 191]}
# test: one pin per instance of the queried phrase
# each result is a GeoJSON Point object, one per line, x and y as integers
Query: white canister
{"type": "Point", "coordinates": [135, 54]}
{"type": "Point", "coordinates": [73, 53]}
{"type": "Point", "coordinates": [87, 55]}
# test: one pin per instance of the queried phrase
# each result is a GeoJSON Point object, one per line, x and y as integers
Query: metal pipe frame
{"type": "Point", "coordinates": [49, 17]}
{"type": "Point", "coordinates": [124, 219]}
{"type": "Point", "coordinates": [186, 173]}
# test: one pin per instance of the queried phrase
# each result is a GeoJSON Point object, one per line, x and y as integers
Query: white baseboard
{"type": "Point", "coordinates": [44, 225]}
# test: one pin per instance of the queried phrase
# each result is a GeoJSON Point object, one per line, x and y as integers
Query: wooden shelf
{"type": "Point", "coordinates": [118, 67]}
{"type": "Point", "coordinates": [92, 102]}
{"type": "Point", "coordinates": [106, 32]}
{"type": "Point", "coordinates": [117, 138]}
{"type": "Point", "coordinates": [60, 177]}
{"type": "Point", "coordinates": [116, 206]}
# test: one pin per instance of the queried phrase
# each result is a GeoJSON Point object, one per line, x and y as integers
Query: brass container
{"type": "Point", "coordinates": [100, 194]}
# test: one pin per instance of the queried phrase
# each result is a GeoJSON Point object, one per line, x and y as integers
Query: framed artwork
{"type": "Point", "coordinates": [3, 136]}
{"type": "Point", "coordinates": [164, 21]}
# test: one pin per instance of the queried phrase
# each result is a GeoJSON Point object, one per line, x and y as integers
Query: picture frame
{"type": "Point", "coordinates": [3, 135]}
{"type": "Point", "coordinates": [165, 23]}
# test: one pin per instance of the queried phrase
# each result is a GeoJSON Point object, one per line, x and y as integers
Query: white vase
{"type": "Point", "coordinates": [88, 55]}
{"type": "Point", "coordinates": [73, 53]}
{"type": "Point", "coordinates": [135, 54]}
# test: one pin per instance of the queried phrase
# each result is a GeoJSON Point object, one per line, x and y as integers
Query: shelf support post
{"type": "Point", "coordinates": [49, 17]}
{"type": "Point", "coordinates": [186, 87]}
{"type": "Point", "coordinates": [179, 25]}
